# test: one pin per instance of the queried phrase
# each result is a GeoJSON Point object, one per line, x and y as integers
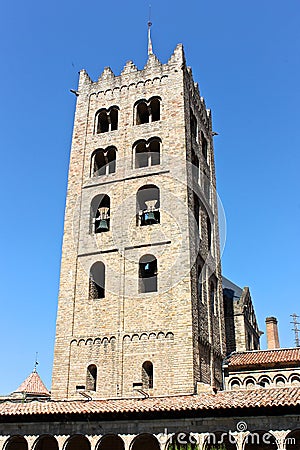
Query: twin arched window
{"type": "Point", "coordinates": [147, 153]}
{"type": "Point", "coordinates": [103, 161]}
{"type": "Point", "coordinates": [147, 111]}
{"type": "Point", "coordinates": [148, 205]}
{"type": "Point", "coordinates": [107, 119]}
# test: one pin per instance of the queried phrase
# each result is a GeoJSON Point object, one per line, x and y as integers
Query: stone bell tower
{"type": "Point", "coordinates": [140, 303]}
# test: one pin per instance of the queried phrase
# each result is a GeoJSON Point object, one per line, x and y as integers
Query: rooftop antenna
{"type": "Point", "coordinates": [150, 49]}
{"type": "Point", "coordinates": [296, 329]}
{"type": "Point", "coordinates": [36, 361]}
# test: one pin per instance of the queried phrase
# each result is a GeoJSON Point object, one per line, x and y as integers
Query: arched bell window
{"type": "Point", "coordinates": [148, 205]}
{"type": "Point", "coordinates": [107, 119]}
{"type": "Point", "coordinates": [147, 111]}
{"type": "Point", "coordinates": [147, 153]}
{"type": "Point", "coordinates": [97, 281]}
{"type": "Point", "coordinates": [100, 214]}
{"type": "Point", "coordinates": [148, 274]}
{"type": "Point", "coordinates": [103, 161]}
{"type": "Point", "coordinates": [147, 375]}
{"type": "Point", "coordinates": [91, 378]}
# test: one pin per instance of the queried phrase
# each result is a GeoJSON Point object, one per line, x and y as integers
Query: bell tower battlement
{"type": "Point", "coordinates": [140, 302]}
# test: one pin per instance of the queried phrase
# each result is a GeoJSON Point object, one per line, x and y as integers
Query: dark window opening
{"type": "Point", "coordinates": [147, 375]}
{"type": "Point", "coordinates": [102, 215]}
{"type": "Point", "coordinates": [148, 274]}
{"type": "Point", "coordinates": [142, 113]}
{"type": "Point", "coordinates": [104, 161]}
{"type": "Point", "coordinates": [148, 205]}
{"type": "Point", "coordinates": [141, 155]}
{"type": "Point", "coordinates": [196, 210]}
{"type": "Point", "coordinates": [103, 123]}
{"type": "Point", "coordinates": [97, 281]}
{"type": "Point", "coordinates": [193, 124]}
{"type": "Point", "coordinates": [91, 378]}
{"type": "Point", "coordinates": [204, 145]}
{"type": "Point", "coordinates": [155, 109]}
{"type": "Point", "coordinates": [113, 115]}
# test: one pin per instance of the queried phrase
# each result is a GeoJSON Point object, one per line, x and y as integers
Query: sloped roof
{"type": "Point", "coordinates": [204, 402]}
{"type": "Point", "coordinates": [33, 385]}
{"type": "Point", "coordinates": [264, 357]}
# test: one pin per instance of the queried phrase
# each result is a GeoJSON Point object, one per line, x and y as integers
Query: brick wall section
{"type": "Point", "coordinates": [182, 337]}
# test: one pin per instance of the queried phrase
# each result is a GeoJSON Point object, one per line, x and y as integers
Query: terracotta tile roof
{"type": "Point", "coordinates": [224, 400]}
{"type": "Point", "coordinates": [33, 385]}
{"type": "Point", "coordinates": [264, 357]}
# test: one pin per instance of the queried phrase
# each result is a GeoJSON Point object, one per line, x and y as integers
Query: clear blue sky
{"type": "Point", "coordinates": [245, 56]}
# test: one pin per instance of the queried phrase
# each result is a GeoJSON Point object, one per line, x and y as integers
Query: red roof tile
{"type": "Point", "coordinates": [33, 385]}
{"type": "Point", "coordinates": [223, 400]}
{"type": "Point", "coordinates": [264, 357]}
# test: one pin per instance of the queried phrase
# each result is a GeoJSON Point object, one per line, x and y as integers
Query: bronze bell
{"type": "Point", "coordinates": [150, 217]}
{"type": "Point", "coordinates": [102, 226]}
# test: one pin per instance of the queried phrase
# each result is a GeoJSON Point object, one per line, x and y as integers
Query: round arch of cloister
{"type": "Point", "coordinates": [218, 440]}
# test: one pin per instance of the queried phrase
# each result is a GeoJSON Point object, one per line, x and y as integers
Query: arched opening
{"type": "Point", "coordinates": [292, 440]}
{"type": "Point", "coordinates": [147, 153]}
{"type": "Point", "coordinates": [142, 113]}
{"type": "Point", "coordinates": [148, 205]}
{"type": "Point", "coordinates": [102, 121]}
{"type": "Point", "coordinates": [264, 382]}
{"type": "Point", "coordinates": [220, 440]}
{"type": "Point", "coordinates": [249, 383]}
{"type": "Point", "coordinates": [147, 375]}
{"type": "Point", "coordinates": [104, 162]}
{"type": "Point", "coordinates": [261, 440]}
{"type": "Point", "coordinates": [16, 443]}
{"type": "Point", "coordinates": [235, 385]}
{"type": "Point", "coordinates": [78, 442]}
{"type": "Point", "coordinates": [204, 146]}
{"type": "Point", "coordinates": [91, 378]}
{"type": "Point", "coordinates": [295, 380]}
{"type": "Point", "coordinates": [183, 441]}
{"type": "Point", "coordinates": [155, 109]}
{"type": "Point", "coordinates": [113, 115]}
{"type": "Point", "coordinates": [100, 213]}
{"type": "Point", "coordinates": [280, 381]}
{"type": "Point", "coordinates": [97, 281]}
{"type": "Point", "coordinates": [148, 274]}
{"type": "Point", "coordinates": [111, 442]}
{"type": "Point", "coordinates": [145, 442]}
{"type": "Point", "coordinates": [46, 442]}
